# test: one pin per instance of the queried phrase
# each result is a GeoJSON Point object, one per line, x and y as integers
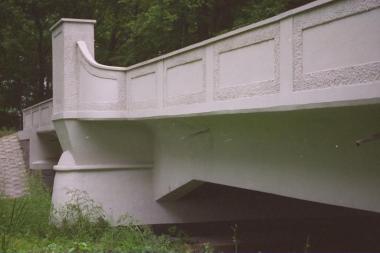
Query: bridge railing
{"type": "Point", "coordinates": [39, 116]}
{"type": "Point", "coordinates": [322, 54]}
{"type": "Point", "coordinates": [38, 131]}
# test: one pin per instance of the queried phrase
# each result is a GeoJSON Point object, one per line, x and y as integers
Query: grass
{"type": "Point", "coordinates": [30, 224]}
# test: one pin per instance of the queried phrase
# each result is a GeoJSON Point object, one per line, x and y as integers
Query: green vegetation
{"type": "Point", "coordinates": [27, 225]}
{"type": "Point", "coordinates": [127, 32]}
{"type": "Point", "coordinates": [6, 131]}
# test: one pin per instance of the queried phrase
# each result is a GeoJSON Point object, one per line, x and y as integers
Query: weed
{"type": "Point", "coordinates": [235, 237]}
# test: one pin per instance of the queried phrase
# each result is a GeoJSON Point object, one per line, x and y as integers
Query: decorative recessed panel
{"type": "Point", "coordinates": [94, 89]}
{"type": "Point", "coordinates": [35, 118]}
{"type": "Point", "coordinates": [100, 89]}
{"type": "Point", "coordinates": [248, 64]}
{"type": "Point", "coordinates": [27, 120]}
{"type": "Point", "coordinates": [337, 45]}
{"type": "Point", "coordinates": [142, 88]}
{"type": "Point", "coordinates": [46, 113]}
{"type": "Point", "coordinates": [185, 79]}
{"type": "Point", "coordinates": [240, 66]}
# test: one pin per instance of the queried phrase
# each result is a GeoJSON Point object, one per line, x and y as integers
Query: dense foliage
{"type": "Point", "coordinates": [27, 224]}
{"type": "Point", "coordinates": [127, 32]}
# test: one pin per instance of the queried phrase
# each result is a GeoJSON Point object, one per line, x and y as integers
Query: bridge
{"type": "Point", "coordinates": [287, 107]}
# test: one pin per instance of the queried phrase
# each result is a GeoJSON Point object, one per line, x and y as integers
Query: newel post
{"type": "Point", "coordinates": [65, 34]}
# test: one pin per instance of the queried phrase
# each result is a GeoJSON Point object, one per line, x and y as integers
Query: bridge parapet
{"type": "Point", "coordinates": [39, 116]}
{"type": "Point", "coordinates": [39, 134]}
{"type": "Point", "coordinates": [322, 54]}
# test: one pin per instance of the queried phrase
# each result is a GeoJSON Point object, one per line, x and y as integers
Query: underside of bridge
{"type": "Point", "coordinates": [273, 127]}
{"type": "Point", "coordinates": [310, 227]}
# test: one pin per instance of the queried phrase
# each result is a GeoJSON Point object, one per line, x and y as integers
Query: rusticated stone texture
{"type": "Point", "coordinates": [12, 167]}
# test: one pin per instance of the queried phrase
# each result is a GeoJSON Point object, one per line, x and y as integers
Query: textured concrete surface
{"type": "Point", "coordinates": [12, 167]}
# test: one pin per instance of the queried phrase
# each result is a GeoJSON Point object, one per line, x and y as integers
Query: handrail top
{"type": "Point", "coordinates": [90, 59]}
{"type": "Point", "coordinates": [37, 105]}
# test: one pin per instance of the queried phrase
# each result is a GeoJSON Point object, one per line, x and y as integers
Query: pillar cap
{"type": "Point", "coordinates": [71, 20]}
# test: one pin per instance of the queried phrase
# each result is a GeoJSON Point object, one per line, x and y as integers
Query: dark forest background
{"type": "Point", "coordinates": [127, 32]}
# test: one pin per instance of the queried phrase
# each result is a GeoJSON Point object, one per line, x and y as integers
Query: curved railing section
{"type": "Point", "coordinates": [100, 87]}
{"type": "Point", "coordinates": [87, 56]}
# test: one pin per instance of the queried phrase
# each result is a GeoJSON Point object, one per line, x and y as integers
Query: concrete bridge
{"type": "Point", "coordinates": [275, 107]}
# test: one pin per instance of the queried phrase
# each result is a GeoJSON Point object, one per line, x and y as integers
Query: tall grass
{"type": "Point", "coordinates": [30, 224]}
{"type": "Point", "coordinates": [24, 216]}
